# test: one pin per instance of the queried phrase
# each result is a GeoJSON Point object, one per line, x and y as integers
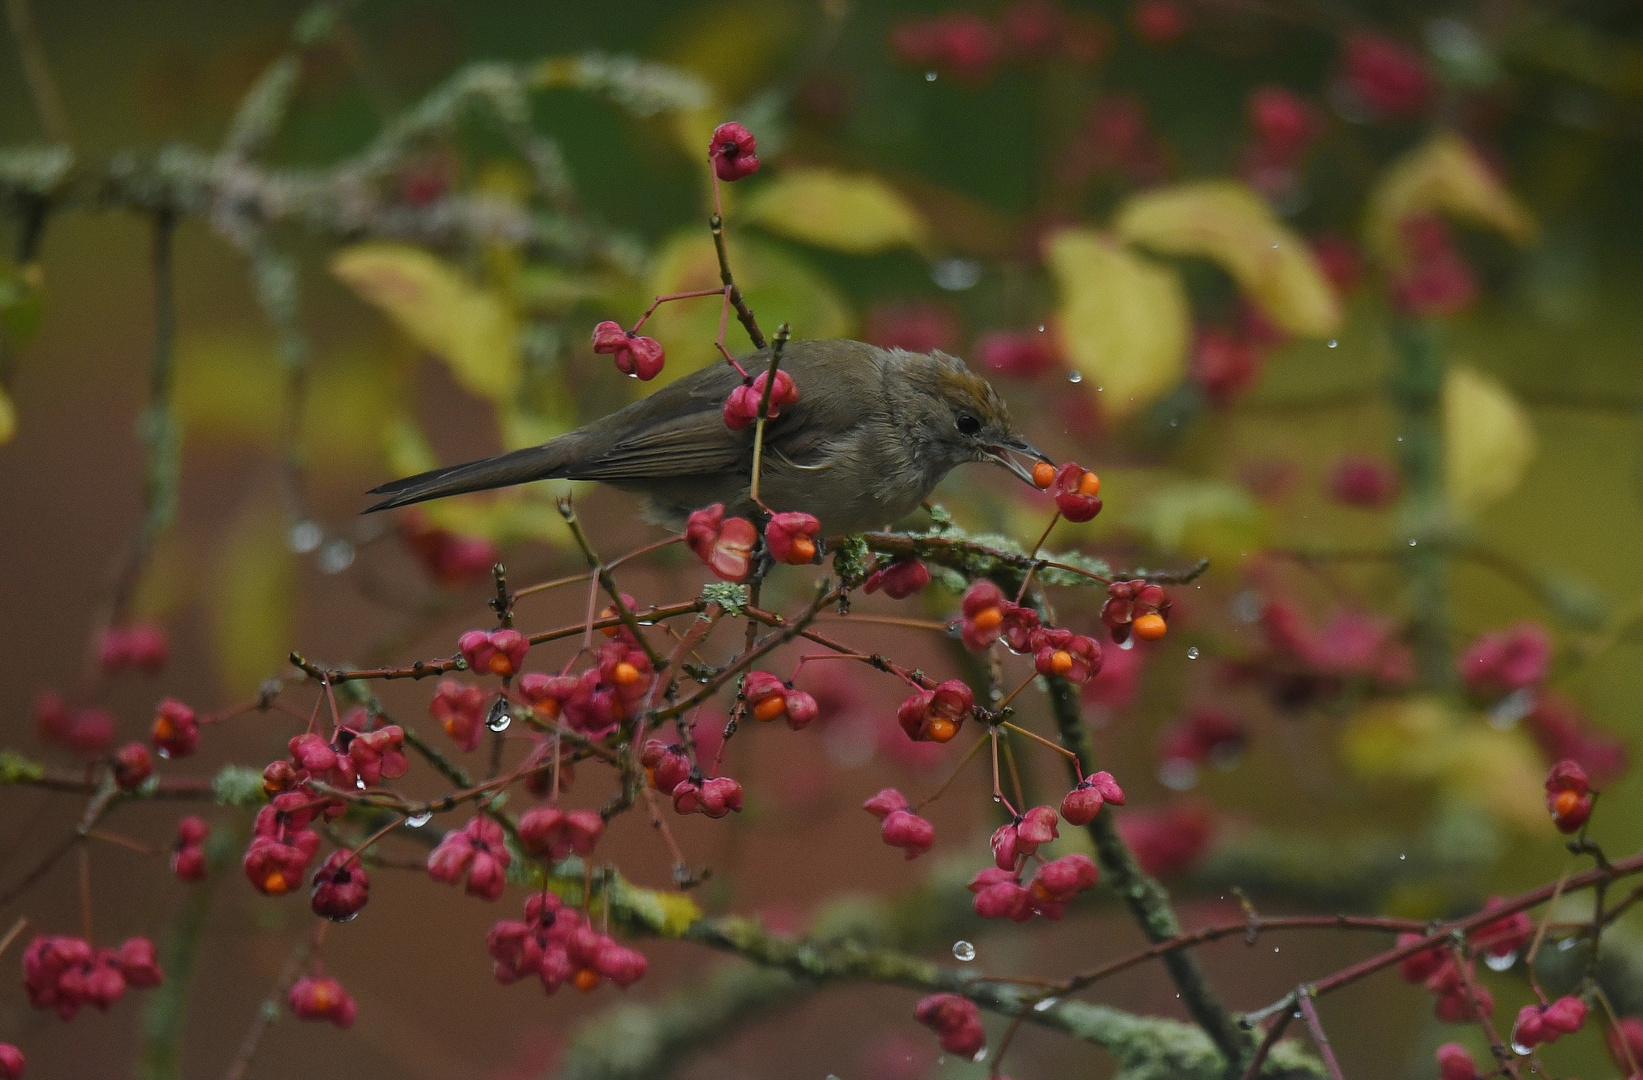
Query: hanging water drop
{"type": "Point", "coordinates": [1127, 644]}
{"type": "Point", "coordinates": [981, 1055]}
{"type": "Point", "coordinates": [1046, 1005]}
{"type": "Point", "coordinates": [1333, 343]}
{"type": "Point", "coordinates": [1500, 963]}
{"type": "Point", "coordinates": [1075, 376]}
{"type": "Point", "coordinates": [1192, 652]}
{"type": "Point", "coordinates": [416, 821]}
{"type": "Point", "coordinates": [498, 719]}
{"type": "Point", "coordinates": [964, 951]}
{"type": "Point", "coordinates": [1520, 1050]}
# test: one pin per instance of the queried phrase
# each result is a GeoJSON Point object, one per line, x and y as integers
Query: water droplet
{"type": "Point", "coordinates": [304, 537]}
{"type": "Point", "coordinates": [335, 556]}
{"type": "Point", "coordinates": [1127, 644]}
{"type": "Point", "coordinates": [416, 821]}
{"type": "Point", "coordinates": [963, 950]}
{"type": "Point", "coordinates": [1246, 606]}
{"type": "Point", "coordinates": [1520, 1050]}
{"type": "Point", "coordinates": [1174, 422]}
{"type": "Point", "coordinates": [981, 1055]}
{"type": "Point", "coordinates": [1192, 652]}
{"type": "Point", "coordinates": [1274, 247]}
{"type": "Point", "coordinates": [1040, 328]}
{"type": "Point", "coordinates": [359, 782]}
{"type": "Point", "coordinates": [1500, 963]}
{"type": "Point", "coordinates": [163, 752]}
{"type": "Point", "coordinates": [956, 275]}
{"type": "Point", "coordinates": [350, 917]}
{"type": "Point", "coordinates": [1075, 376]}
{"type": "Point", "coordinates": [498, 719]}
{"type": "Point", "coordinates": [1403, 857]}
{"type": "Point", "coordinates": [1178, 774]}
{"type": "Point", "coordinates": [1566, 944]}
{"type": "Point", "coordinates": [929, 76]}
{"type": "Point", "coordinates": [1333, 343]}
{"type": "Point", "coordinates": [1046, 1005]}
{"type": "Point", "coordinates": [1400, 438]}
{"type": "Point", "coordinates": [1099, 389]}
{"type": "Point", "coordinates": [830, 1076]}
{"type": "Point", "coordinates": [1412, 542]}
{"type": "Point", "coordinates": [1275, 948]}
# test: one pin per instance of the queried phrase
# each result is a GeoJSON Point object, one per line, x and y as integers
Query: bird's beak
{"type": "Point", "coordinates": [1005, 455]}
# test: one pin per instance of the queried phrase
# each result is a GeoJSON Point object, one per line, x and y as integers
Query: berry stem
{"type": "Point", "coordinates": [782, 334]}
{"type": "Point", "coordinates": [660, 300]}
{"type": "Point", "coordinates": [947, 783]}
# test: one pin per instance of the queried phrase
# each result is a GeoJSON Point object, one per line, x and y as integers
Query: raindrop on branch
{"type": "Point", "coordinates": [498, 718]}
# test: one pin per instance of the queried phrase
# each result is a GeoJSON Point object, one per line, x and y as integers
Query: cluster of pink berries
{"type": "Point", "coordinates": [970, 47]}
{"type": "Point", "coordinates": [602, 696]}
{"type": "Point", "coordinates": [1568, 796]}
{"type": "Point", "coordinates": [726, 544]}
{"type": "Point", "coordinates": [559, 945]}
{"type": "Point", "coordinates": [1136, 607]}
{"type": "Point", "coordinates": [668, 770]}
{"type": "Point", "coordinates": [67, 973]}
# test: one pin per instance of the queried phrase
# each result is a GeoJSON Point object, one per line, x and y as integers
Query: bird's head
{"type": "Point", "coordinates": [960, 417]}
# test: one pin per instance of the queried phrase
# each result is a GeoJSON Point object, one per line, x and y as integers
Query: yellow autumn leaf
{"type": "Point", "coordinates": [1443, 174]}
{"type": "Point", "coordinates": [1488, 440]}
{"type": "Point", "coordinates": [778, 287]}
{"type": "Point", "coordinates": [1123, 319]}
{"type": "Point", "coordinates": [471, 328]}
{"type": "Point", "coordinates": [8, 417]}
{"type": "Point", "coordinates": [1229, 224]}
{"type": "Point", "coordinates": [857, 213]}
{"type": "Point", "coordinates": [1208, 518]}
{"type": "Point", "coordinates": [254, 584]}
{"type": "Point", "coordinates": [1422, 740]}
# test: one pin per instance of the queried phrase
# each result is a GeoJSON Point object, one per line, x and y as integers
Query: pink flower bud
{"type": "Point", "coordinates": [12, 1062]}
{"type": "Point", "coordinates": [1455, 1063]}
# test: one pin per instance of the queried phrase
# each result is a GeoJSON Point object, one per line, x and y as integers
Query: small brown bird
{"type": "Point", "coordinates": [873, 432]}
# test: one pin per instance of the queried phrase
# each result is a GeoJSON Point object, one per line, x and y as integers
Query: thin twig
{"type": "Point", "coordinates": [1303, 997]}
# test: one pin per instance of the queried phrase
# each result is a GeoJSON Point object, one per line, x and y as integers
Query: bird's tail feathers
{"type": "Point", "coordinates": [503, 470]}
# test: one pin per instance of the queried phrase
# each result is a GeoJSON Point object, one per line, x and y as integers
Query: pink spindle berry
{"type": "Point", "coordinates": [899, 580]}
{"type": "Point", "coordinates": [725, 544]}
{"type": "Point", "coordinates": [956, 1022]}
{"type": "Point", "coordinates": [635, 355]}
{"type": "Point", "coordinates": [548, 830]}
{"type": "Point", "coordinates": [135, 647]}
{"type": "Point", "coordinates": [1455, 1063]}
{"type": "Point", "coordinates": [320, 997]}
{"type": "Point", "coordinates": [496, 652]}
{"type": "Point", "coordinates": [741, 408]}
{"type": "Point", "coordinates": [1568, 796]}
{"type": "Point", "coordinates": [1024, 355]}
{"type": "Point", "coordinates": [12, 1062]}
{"type": "Point", "coordinates": [998, 895]}
{"type": "Point", "coordinates": [1505, 935]}
{"type": "Point", "coordinates": [1497, 664]}
{"type": "Point", "coordinates": [1083, 802]}
{"type": "Point", "coordinates": [733, 151]}
{"type": "Point", "coordinates": [908, 831]}
{"type": "Point", "coordinates": [139, 963]}
{"type": "Point", "coordinates": [379, 755]}
{"type": "Point", "coordinates": [666, 766]}
{"type": "Point", "coordinates": [188, 856]}
{"type": "Point", "coordinates": [1073, 657]}
{"type": "Point", "coordinates": [1626, 1041]}
{"type": "Point", "coordinates": [1368, 482]}
{"type": "Point", "coordinates": [477, 850]}
{"type": "Point", "coordinates": [791, 538]}
{"type": "Point", "coordinates": [1166, 842]}
{"type": "Point", "coordinates": [176, 731]}
{"type": "Point", "coordinates": [341, 887]}
{"type": "Point", "coordinates": [885, 803]}
{"type": "Point", "coordinates": [89, 732]}
{"type": "Point", "coordinates": [132, 765]}
{"type": "Point", "coordinates": [1076, 492]}
{"type": "Point", "coordinates": [714, 797]}
{"type": "Point", "coordinates": [770, 698]}
{"type": "Point", "coordinates": [936, 715]}
{"type": "Point", "coordinates": [460, 709]}
{"type": "Point", "coordinates": [1058, 881]}
{"type": "Point", "coordinates": [1388, 79]}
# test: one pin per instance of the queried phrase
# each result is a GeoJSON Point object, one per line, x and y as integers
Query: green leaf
{"type": "Point", "coordinates": [471, 328]}
{"type": "Point", "coordinates": [1488, 440]}
{"type": "Point", "coordinates": [852, 212]}
{"type": "Point", "coordinates": [1229, 224]}
{"type": "Point", "coordinates": [1123, 320]}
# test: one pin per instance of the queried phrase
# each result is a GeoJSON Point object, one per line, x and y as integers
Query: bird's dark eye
{"type": "Point", "coordinates": [967, 424]}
